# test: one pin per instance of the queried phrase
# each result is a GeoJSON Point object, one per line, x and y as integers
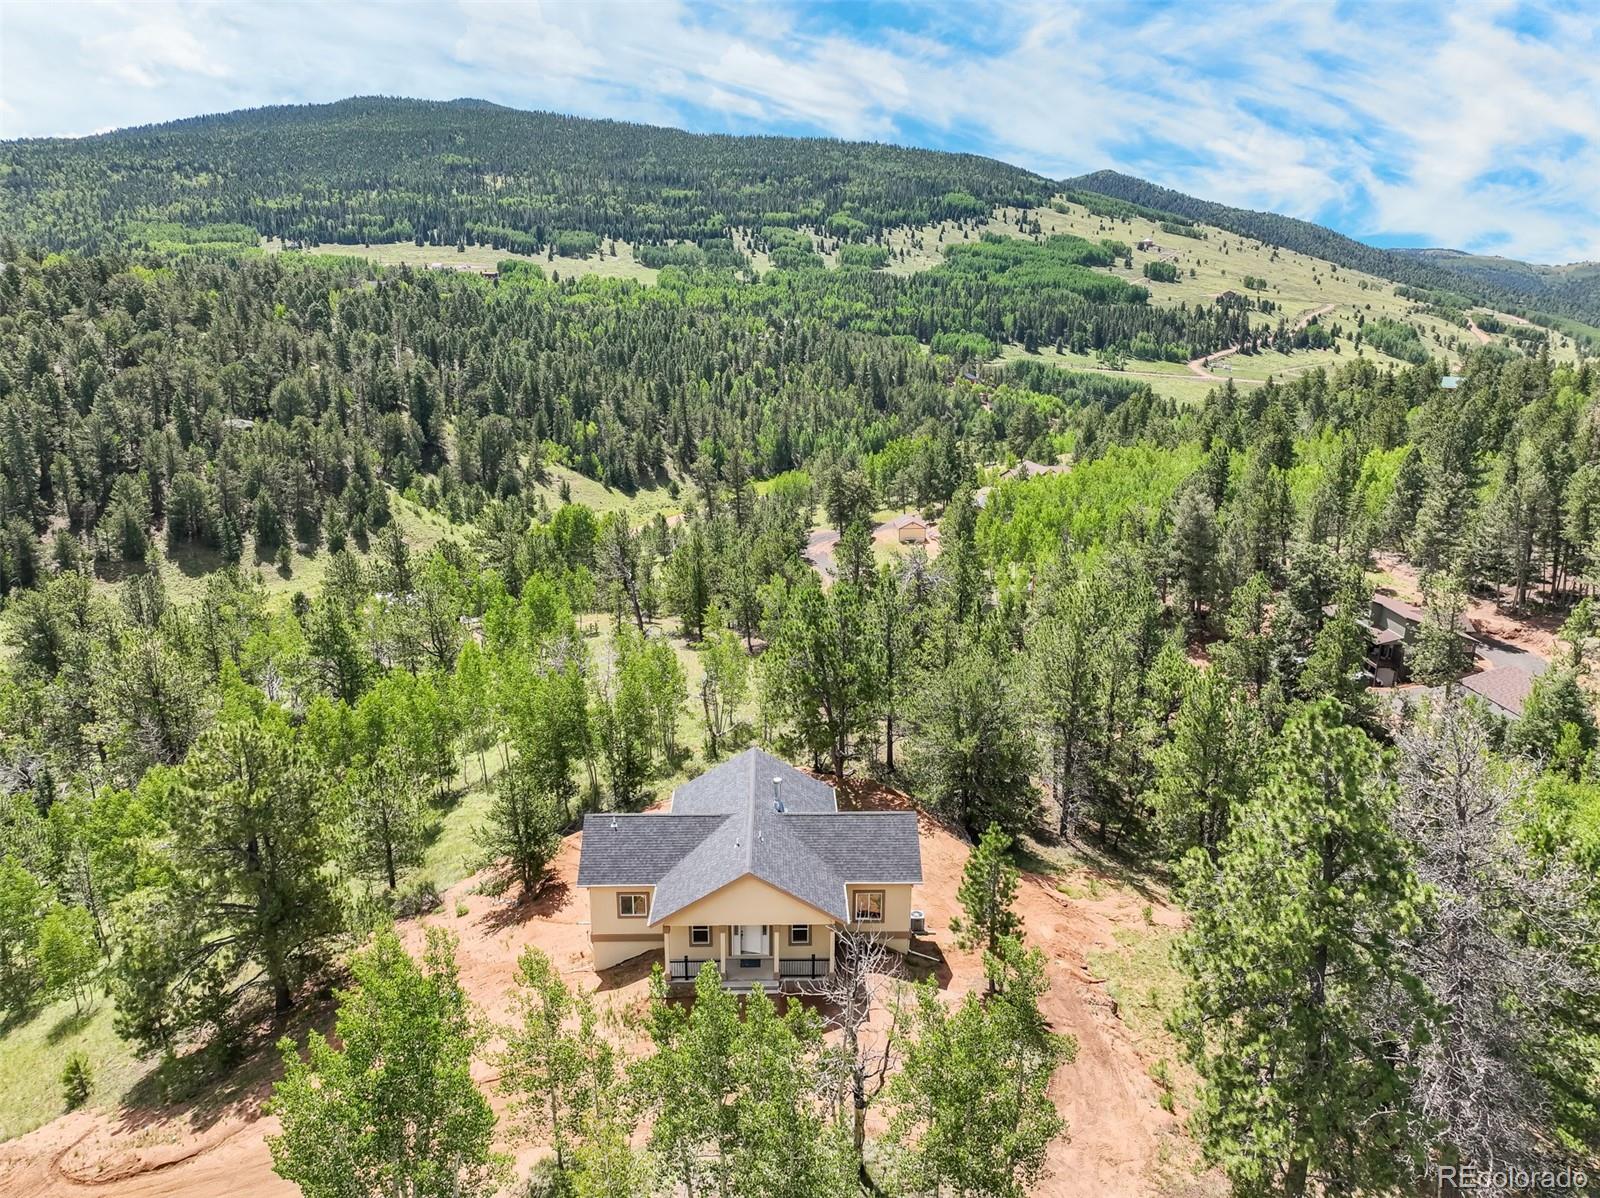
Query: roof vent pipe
{"type": "Point", "coordinates": [777, 794]}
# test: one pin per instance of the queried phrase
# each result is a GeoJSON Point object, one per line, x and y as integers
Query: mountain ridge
{"type": "Point", "coordinates": [369, 169]}
{"type": "Point", "coordinates": [1474, 276]}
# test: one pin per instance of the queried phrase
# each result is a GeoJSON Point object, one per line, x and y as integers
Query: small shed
{"type": "Point", "coordinates": [909, 529]}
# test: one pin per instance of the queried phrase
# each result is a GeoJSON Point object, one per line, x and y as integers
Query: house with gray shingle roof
{"type": "Point", "coordinates": [1505, 689]}
{"type": "Point", "coordinates": [754, 868]}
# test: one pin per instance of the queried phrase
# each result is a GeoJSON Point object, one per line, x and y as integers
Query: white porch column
{"type": "Point", "coordinates": [777, 953]}
{"type": "Point", "coordinates": [725, 936]}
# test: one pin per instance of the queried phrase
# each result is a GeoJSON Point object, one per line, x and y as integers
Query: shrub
{"type": "Point", "coordinates": [76, 1081]}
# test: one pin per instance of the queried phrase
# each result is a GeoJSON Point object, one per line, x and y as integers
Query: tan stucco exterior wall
{"type": "Point", "coordinates": [745, 901]}
{"type": "Point", "coordinates": [896, 925]}
{"type": "Point", "coordinates": [613, 938]}
{"type": "Point", "coordinates": [748, 900]}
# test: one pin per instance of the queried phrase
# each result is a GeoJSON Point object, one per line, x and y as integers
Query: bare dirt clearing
{"type": "Point", "coordinates": [1532, 632]}
{"type": "Point", "coordinates": [1121, 1143]}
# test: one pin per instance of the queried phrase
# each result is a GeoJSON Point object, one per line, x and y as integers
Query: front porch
{"type": "Point", "coordinates": [747, 955]}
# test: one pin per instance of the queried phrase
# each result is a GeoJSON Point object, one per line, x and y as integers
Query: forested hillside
{"type": "Point", "coordinates": [1569, 291]}
{"type": "Point", "coordinates": [250, 723]}
{"type": "Point", "coordinates": [377, 169]}
{"type": "Point", "coordinates": [1573, 288]}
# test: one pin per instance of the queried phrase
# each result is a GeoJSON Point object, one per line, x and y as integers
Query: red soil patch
{"type": "Point", "coordinates": [1491, 615]}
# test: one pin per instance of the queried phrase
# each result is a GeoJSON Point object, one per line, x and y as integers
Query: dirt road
{"type": "Point", "coordinates": [1201, 365]}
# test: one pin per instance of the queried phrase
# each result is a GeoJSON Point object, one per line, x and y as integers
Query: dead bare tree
{"type": "Point", "coordinates": [1500, 948]}
{"type": "Point", "coordinates": [866, 974]}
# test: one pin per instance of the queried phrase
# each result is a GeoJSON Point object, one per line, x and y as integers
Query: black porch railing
{"type": "Point", "coordinates": [804, 967]}
{"type": "Point", "coordinates": [685, 969]}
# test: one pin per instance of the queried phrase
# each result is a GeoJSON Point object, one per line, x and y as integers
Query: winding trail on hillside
{"type": "Point", "coordinates": [1201, 365]}
{"type": "Point", "coordinates": [1472, 327]}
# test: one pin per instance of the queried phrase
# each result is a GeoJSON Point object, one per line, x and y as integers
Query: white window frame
{"type": "Point", "coordinates": [624, 900]}
{"type": "Point", "coordinates": [803, 940]}
{"type": "Point", "coordinates": [695, 933]}
{"type": "Point", "coordinates": [856, 906]}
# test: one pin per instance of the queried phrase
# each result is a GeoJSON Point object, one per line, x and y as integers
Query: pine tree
{"type": "Point", "coordinates": [987, 893]}
{"type": "Point", "coordinates": [1292, 961]}
{"type": "Point", "coordinates": [1204, 771]}
{"type": "Point", "coordinates": [522, 827]}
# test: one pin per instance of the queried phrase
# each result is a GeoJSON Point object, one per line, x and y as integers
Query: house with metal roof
{"type": "Point", "coordinates": [754, 868]}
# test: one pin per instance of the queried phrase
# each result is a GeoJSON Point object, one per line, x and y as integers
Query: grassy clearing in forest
{"type": "Point", "coordinates": [405, 253]}
{"type": "Point", "coordinates": [184, 572]}
{"type": "Point", "coordinates": [34, 1050]}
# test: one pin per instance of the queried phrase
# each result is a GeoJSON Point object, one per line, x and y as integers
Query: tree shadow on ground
{"type": "Point", "coordinates": [1046, 855]}
{"type": "Point", "coordinates": [71, 1023]}
{"type": "Point", "coordinates": [541, 904]}
{"type": "Point", "coordinates": [202, 1090]}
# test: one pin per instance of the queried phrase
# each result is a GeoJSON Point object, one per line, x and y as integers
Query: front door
{"type": "Point", "coordinates": [751, 940]}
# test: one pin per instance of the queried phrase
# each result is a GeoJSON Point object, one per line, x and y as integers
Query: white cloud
{"type": "Point", "coordinates": [1388, 117]}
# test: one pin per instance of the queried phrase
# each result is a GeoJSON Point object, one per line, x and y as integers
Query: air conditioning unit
{"type": "Point", "coordinates": [919, 924]}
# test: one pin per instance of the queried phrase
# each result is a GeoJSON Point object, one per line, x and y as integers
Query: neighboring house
{"type": "Point", "coordinates": [1030, 469]}
{"type": "Point", "coordinates": [1505, 689]}
{"type": "Point", "coordinates": [1145, 244]}
{"type": "Point", "coordinates": [1393, 628]}
{"type": "Point", "coordinates": [753, 869]}
{"type": "Point", "coordinates": [1450, 382]}
{"type": "Point", "coordinates": [909, 529]}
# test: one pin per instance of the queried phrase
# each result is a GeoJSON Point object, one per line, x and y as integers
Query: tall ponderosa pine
{"type": "Point", "coordinates": [819, 669]}
{"type": "Point", "coordinates": [522, 828]}
{"type": "Point", "coordinates": [1203, 772]}
{"type": "Point", "coordinates": [384, 819]}
{"type": "Point", "coordinates": [987, 893]}
{"type": "Point", "coordinates": [973, 752]}
{"type": "Point", "coordinates": [1298, 1007]}
{"type": "Point", "coordinates": [245, 891]}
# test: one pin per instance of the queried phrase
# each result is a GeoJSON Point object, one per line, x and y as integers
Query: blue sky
{"type": "Point", "coordinates": [1473, 124]}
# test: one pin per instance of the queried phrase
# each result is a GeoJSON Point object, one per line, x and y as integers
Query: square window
{"type": "Point", "coordinates": [800, 933]}
{"type": "Point", "coordinates": [700, 936]}
{"type": "Point", "coordinates": [869, 906]}
{"type": "Point", "coordinates": [632, 906]}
